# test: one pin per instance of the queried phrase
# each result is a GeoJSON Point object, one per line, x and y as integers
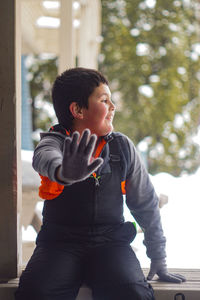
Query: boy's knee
{"type": "Point", "coordinates": [29, 286]}
{"type": "Point", "coordinates": [142, 292]}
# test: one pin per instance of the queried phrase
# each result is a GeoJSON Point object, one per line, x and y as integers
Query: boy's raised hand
{"type": "Point", "coordinates": [76, 164]}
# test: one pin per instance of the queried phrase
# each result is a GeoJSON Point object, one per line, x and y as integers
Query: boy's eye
{"type": "Point", "coordinates": [104, 100]}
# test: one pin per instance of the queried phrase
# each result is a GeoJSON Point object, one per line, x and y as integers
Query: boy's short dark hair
{"type": "Point", "coordinates": [74, 85]}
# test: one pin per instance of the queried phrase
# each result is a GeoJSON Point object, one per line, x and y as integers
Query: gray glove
{"type": "Point", "coordinates": [76, 164]}
{"type": "Point", "coordinates": [159, 267]}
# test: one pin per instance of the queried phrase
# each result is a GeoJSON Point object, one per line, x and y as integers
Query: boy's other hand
{"type": "Point", "coordinates": [76, 164]}
{"type": "Point", "coordinates": [159, 267]}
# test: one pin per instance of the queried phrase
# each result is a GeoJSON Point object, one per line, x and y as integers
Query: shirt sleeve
{"type": "Point", "coordinates": [142, 201]}
{"type": "Point", "coordinates": [48, 155]}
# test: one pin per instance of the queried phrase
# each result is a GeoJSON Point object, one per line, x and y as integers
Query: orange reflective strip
{"type": "Point", "coordinates": [123, 187]}
{"type": "Point", "coordinates": [48, 189]}
{"type": "Point", "coordinates": [67, 132]}
{"type": "Point", "coordinates": [98, 152]}
{"type": "Point", "coordinates": [99, 148]}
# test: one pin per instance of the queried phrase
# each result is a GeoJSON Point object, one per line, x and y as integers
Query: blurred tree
{"type": "Point", "coordinates": [150, 54]}
{"type": "Point", "coordinates": [42, 73]}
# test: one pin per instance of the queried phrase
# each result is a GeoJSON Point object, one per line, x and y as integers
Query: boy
{"type": "Point", "coordinates": [85, 169]}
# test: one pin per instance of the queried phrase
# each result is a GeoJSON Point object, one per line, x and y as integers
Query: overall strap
{"type": "Point", "coordinates": [118, 157]}
{"type": "Point", "coordinates": [114, 150]}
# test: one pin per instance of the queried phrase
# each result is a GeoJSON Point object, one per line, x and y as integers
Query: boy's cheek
{"type": "Point", "coordinates": [101, 112]}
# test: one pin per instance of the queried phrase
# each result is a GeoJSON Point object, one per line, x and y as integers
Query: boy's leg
{"type": "Point", "coordinates": [53, 273]}
{"type": "Point", "coordinates": [115, 274]}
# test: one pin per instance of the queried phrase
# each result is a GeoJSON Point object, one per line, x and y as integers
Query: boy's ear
{"type": "Point", "coordinates": [76, 110]}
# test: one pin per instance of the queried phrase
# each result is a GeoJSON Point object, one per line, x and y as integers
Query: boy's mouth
{"type": "Point", "coordinates": [110, 118]}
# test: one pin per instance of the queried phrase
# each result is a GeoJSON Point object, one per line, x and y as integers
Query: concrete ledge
{"type": "Point", "coordinates": [163, 291]}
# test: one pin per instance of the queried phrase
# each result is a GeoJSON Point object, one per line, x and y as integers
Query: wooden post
{"type": "Point", "coordinates": [10, 145]}
{"type": "Point", "coordinates": [66, 33]}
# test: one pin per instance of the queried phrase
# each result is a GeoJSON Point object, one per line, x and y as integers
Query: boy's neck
{"type": "Point", "coordinates": [80, 129]}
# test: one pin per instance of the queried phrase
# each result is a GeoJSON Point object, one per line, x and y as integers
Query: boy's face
{"type": "Point", "coordinates": [99, 115]}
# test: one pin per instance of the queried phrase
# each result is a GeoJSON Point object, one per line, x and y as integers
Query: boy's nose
{"type": "Point", "coordinates": [112, 106]}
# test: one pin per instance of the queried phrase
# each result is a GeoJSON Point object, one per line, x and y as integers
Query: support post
{"type": "Point", "coordinates": [88, 37]}
{"type": "Point", "coordinates": [10, 145]}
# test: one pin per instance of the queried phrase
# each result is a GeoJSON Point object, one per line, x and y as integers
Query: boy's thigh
{"type": "Point", "coordinates": [123, 291]}
{"type": "Point", "coordinates": [114, 272]}
{"type": "Point", "coordinates": [114, 264]}
{"type": "Point", "coordinates": [52, 273]}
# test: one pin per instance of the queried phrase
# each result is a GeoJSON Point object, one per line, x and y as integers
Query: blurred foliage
{"type": "Point", "coordinates": [150, 54]}
{"type": "Point", "coordinates": [42, 73]}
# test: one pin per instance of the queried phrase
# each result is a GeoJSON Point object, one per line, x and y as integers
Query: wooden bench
{"type": "Point", "coordinates": [190, 289]}
{"type": "Point", "coordinates": [163, 291]}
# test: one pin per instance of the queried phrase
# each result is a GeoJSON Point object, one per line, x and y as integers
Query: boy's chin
{"type": "Point", "coordinates": [103, 131]}
{"type": "Point", "coordinates": [106, 132]}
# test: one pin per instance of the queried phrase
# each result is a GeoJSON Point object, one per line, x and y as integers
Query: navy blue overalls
{"type": "Point", "coordinates": [84, 239]}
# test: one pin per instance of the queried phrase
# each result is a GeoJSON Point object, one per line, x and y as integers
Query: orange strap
{"type": "Point", "coordinates": [99, 148]}
{"type": "Point", "coordinates": [62, 130]}
{"type": "Point", "coordinates": [98, 152]}
{"type": "Point", "coordinates": [123, 187]}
